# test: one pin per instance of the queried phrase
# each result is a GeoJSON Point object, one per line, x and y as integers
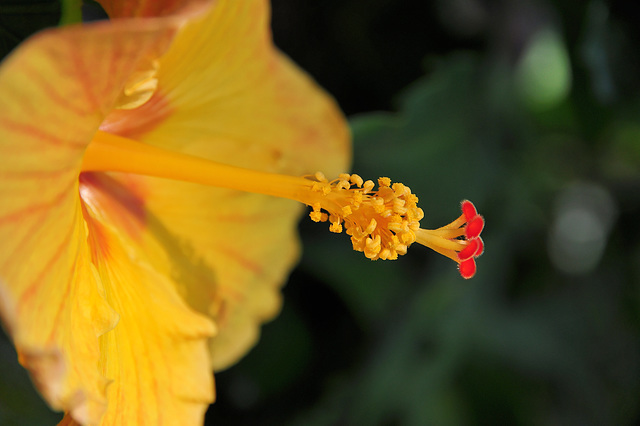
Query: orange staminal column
{"type": "Point", "coordinates": [382, 222]}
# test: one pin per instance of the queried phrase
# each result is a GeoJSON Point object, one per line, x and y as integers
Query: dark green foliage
{"type": "Point", "coordinates": [21, 18]}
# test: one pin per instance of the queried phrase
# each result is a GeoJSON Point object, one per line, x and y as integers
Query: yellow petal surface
{"type": "Point", "coordinates": [157, 356]}
{"type": "Point", "coordinates": [225, 93]}
{"type": "Point", "coordinates": [55, 91]}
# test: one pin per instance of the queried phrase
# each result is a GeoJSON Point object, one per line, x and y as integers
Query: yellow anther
{"type": "Point", "coordinates": [368, 186]}
{"type": "Point", "coordinates": [323, 187]}
{"type": "Point", "coordinates": [395, 241]}
{"type": "Point", "coordinates": [387, 213]}
{"type": "Point", "coordinates": [408, 238]}
{"type": "Point", "coordinates": [395, 226]}
{"type": "Point", "coordinates": [399, 209]}
{"type": "Point", "coordinates": [356, 180]}
{"type": "Point", "coordinates": [372, 227]}
{"type": "Point", "coordinates": [359, 244]}
{"type": "Point", "coordinates": [320, 177]}
{"type": "Point", "coordinates": [346, 211]}
{"type": "Point", "coordinates": [387, 254]}
{"type": "Point", "coordinates": [357, 199]}
{"type": "Point", "coordinates": [372, 247]}
{"type": "Point", "coordinates": [343, 184]}
{"type": "Point", "coordinates": [316, 216]}
{"type": "Point", "coordinates": [384, 182]}
{"type": "Point", "coordinates": [399, 189]}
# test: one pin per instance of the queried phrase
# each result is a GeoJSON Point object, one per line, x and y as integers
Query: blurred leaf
{"type": "Point", "coordinates": [543, 77]}
{"type": "Point", "coordinates": [71, 12]}
{"type": "Point", "coordinates": [436, 144]}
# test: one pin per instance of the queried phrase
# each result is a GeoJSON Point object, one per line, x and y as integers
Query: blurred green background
{"type": "Point", "coordinates": [529, 108]}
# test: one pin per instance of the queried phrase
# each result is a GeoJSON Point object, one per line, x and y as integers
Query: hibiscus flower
{"type": "Point", "coordinates": [154, 169]}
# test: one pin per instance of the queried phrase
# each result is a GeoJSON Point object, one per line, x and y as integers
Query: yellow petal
{"type": "Point", "coordinates": [54, 306]}
{"type": "Point", "coordinates": [157, 356]}
{"type": "Point", "coordinates": [54, 91]}
{"type": "Point", "coordinates": [225, 93]}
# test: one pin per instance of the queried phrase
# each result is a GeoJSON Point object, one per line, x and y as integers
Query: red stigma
{"type": "Point", "coordinates": [469, 210]}
{"type": "Point", "coordinates": [470, 250]}
{"type": "Point", "coordinates": [474, 227]}
{"type": "Point", "coordinates": [467, 268]}
{"type": "Point", "coordinates": [475, 245]}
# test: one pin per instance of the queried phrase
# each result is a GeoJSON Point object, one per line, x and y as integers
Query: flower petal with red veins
{"type": "Point", "coordinates": [56, 89]}
{"type": "Point", "coordinates": [157, 357]}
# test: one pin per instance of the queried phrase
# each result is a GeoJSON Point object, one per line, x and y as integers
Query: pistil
{"type": "Point", "coordinates": [382, 222]}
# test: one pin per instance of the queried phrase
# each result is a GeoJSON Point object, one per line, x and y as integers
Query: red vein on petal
{"type": "Point", "coordinates": [128, 323]}
{"type": "Point", "coordinates": [30, 291]}
{"type": "Point", "coordinates": [80, 73]}
{"type": "Point", "coordinates": [72, 278]}
{"type": "Point", "coordinates": [242, 260]}
{"type": "Point", "coordinates": [39, 80]}
{"type": "Point", "coordinates": [34, 132]}
{"type": "Point", "coordinates": [16, 215]}
{"type": "Point", "coordinates": [65, 299]}
{"type": "Point", "coordinates": [37, 223]}
{"type": "Point", "coordinates": [104, 88]}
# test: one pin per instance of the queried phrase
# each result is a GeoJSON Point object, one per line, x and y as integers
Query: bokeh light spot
{"type": "Point", "coordinates": [583, 219]}
{"type": "Point", "coordinates": [543, 76]}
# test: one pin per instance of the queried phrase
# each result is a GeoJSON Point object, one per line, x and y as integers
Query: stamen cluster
{"type": "Point", "coordinates": [381, 223]}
